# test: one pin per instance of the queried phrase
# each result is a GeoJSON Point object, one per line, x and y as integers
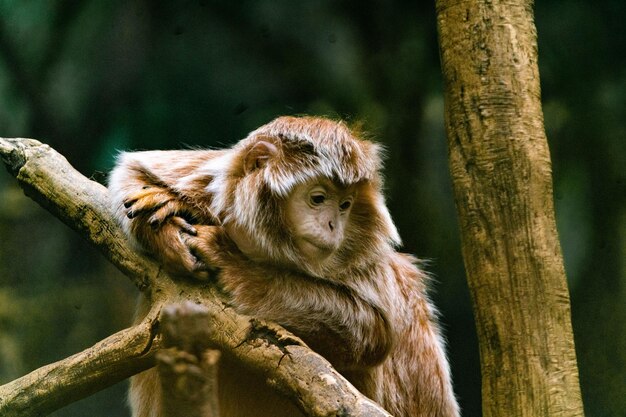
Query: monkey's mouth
{"type": "Point", "coordinates": [323, 246]}
{"type": "Point", "coordinates": [314, 250]}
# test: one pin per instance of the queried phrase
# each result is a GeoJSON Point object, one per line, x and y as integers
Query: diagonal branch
{"type": "Point", "coordinates": [53, 386]}
{"type": "Point", "coordinates": [82, 204]}
{"type": "Point", "coordinates": [294, 369]}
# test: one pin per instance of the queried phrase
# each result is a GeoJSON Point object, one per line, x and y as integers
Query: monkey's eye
{"type": "Point", "coordinates": [317, 199]}
{"type": "Point", "coordinates": [345, 205]}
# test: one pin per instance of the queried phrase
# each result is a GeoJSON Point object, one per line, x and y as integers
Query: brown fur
{"type": "Point", "coordinates": [364, 308]}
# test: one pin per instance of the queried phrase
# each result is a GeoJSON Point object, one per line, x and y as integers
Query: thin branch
{"type": "Point", "coordinates": [293, 368]}
{"type": "Point", "coordinates": [53, 386]}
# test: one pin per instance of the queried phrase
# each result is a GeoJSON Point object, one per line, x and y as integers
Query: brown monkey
{"type": "Point", "coordinates": [295, 219]}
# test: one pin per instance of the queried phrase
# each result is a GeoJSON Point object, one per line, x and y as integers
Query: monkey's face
{"type": "Point", "coordinates": [285, 201]}
{"type": "Point", "coordinates": [317, 213]}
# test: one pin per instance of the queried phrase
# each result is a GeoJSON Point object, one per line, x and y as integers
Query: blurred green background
{"type": "Point", "coordinates": [94, 77]}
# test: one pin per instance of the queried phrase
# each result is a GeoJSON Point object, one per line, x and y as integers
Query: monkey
{"type": "Point", "coordinates": [294, 219]}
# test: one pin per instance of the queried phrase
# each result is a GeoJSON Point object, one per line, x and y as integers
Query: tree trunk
{"type": "Point", "coordinates": [501, 172]}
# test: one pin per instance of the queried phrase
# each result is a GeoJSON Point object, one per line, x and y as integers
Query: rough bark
{"type": "Point", "coordinates": [500, 166]}
{"type": "Point", "coordinates": [294, 369]}
{"type": "Point", "coordinates": [53, 386]}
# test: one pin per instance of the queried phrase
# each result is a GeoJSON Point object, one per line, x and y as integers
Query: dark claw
{"type": "Point", "coordinates": [131, 214]}
{"type": "Point", "coordinates": [129, 203]}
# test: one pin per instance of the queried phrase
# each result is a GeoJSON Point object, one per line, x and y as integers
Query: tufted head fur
{"type": "Point", "coordinates": [312, 147]}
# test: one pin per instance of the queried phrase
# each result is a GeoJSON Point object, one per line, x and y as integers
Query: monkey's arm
{"type": "Point", "coordinates": [156, 194]}
{"type": "Point", "coordinates": [163, 183]}
{"type": "Point", "coordinates": [334, 320]}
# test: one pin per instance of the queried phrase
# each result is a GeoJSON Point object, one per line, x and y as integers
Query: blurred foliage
{"type": "Point", "coordinates": [97, 76]}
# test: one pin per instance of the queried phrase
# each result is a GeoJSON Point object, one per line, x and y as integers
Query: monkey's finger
{"type": "Point", "coordinates": [148, 196]}
{"type": "Point", "coordinates": [198, 269]}
{"type": "Point", "coordinates": [132, 198]}
{"type": "Point", "coordinates": [193, 246]}
{"type": "Point", "coordinates": [203, 260]}
{"type": "Point", "coordinates": [182, 257]}
{"type": "Point", "coordinates": [184, 225]}
{"type": "Point", "coordinates": [164, 212]}
{"type": "Point", "coordinates": [147, 204]}
{"type": "Point", "coordinates": [145, 191]}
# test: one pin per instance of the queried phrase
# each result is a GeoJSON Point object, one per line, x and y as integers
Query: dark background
{"type": "Point", "coordinates": [94, 77]}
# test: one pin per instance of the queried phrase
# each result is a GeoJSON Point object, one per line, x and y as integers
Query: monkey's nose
{"type": "Point", "coordinates": [331, 225]}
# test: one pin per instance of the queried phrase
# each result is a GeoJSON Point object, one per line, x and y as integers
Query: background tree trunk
{"type": "Point", "coordinates": [501, 171]}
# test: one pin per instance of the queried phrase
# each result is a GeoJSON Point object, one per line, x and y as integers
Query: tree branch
{"type": "Point", "coordinates": [82, 204]}
{"type": "Point", "coordinates": [53, 386]}
{"type": "Point", "coordinates": [294, 369]}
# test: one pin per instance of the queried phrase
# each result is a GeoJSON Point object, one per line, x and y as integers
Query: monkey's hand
{"type": "Point", "coordinates": [168, 243]}
{"type": "Point", "coordinates": [155, 203]}
{"type": "Point", "coordinates": [211, 246]}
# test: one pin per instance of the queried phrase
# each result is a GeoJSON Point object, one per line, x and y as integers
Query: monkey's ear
{"type": "Point", "coordinates": [258, 155]}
